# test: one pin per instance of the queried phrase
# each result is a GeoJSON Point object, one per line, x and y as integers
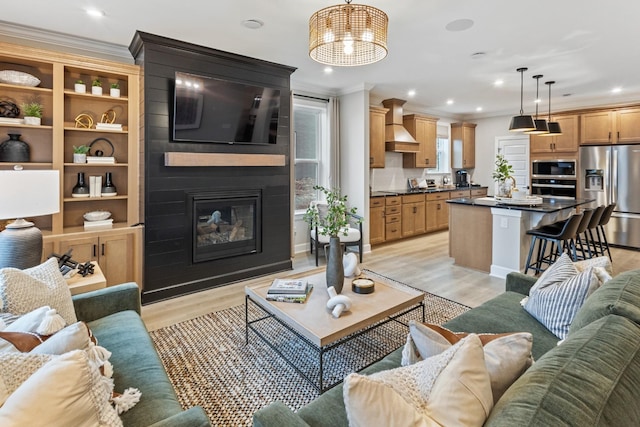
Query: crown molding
{"type": "Point", "coordinates": [37, 37]}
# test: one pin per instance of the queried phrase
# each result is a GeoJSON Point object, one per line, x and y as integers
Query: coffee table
{"type": "Point", "coordinates": [313, 324]}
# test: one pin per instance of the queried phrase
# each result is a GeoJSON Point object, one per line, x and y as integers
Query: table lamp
{"type": "Point", "coordinates": [25, 193]}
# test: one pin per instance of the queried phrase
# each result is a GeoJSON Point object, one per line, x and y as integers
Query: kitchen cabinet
{"type": "Point", "coordinates": [377, 223]}
{"type": "Point", "coordinates": [413, 215]}
{"type": "Point", "coordinates": [424, 129]}
{"type": "Point", "coordinates": [437, 211]}
{"type": "Point", "coordinates": [567, 142]}
{"type": "Point", "coordinates": [463, 142]}
{"type": "Point", "coordinates": [610, 127]}
{"type": "Point", "coordinates": [376, 136]}
{"type": "Point", "coordinates": [393, 218]}
{"type": "Point", "coordinates": [479, 192]}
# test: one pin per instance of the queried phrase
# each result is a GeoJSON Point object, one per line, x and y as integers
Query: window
{"type": "Point", "coordinates": [311, 139]}
{"type": "Point", "coordinates": [442, 155]}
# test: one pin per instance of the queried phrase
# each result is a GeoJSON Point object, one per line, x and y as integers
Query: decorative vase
{"type": "Point", "coordinates": [79, 158]}
{"type": "Point", "coordinates": [504, 187]}
{"type": "Point", "coordinates": [14, 150]}
{"type": "Point", "coordinates": [335, 269]}
{"type": "Point", "coordinates": [96, 90]}
{"type": "Point", "coordinates": [81, 189]}
{"type": "Point", "coordinates": [108, 189]}
{"type": "Point", "coordinates": [114, 92]}
{"type": "Point", "coordinates": [80, 88]}
{"type": "Point", "coordinates": [33, 121]}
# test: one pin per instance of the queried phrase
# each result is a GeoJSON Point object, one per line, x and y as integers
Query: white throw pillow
{"type": "Point", "coordinates": [67, 391]}
{"type": "Point", "coordinates": [16, 368]}
{"type": "Point", "coordinates": [449, 389]}
{"type": "Point", "coordinates": [507, 356]}
{"type": "Point", "coordinates": [556, 305]}
{"type": "Point", "coordinates": [22, 291]}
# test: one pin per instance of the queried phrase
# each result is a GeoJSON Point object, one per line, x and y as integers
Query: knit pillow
{"type": "Point", "coordinates": [507, 356]}
{"type": "Point", "coordinates": [16, 368]}
{"type": "Point", "coordinates": [22, 291]}
{"type": "Point", "coordinates": [449, 389]}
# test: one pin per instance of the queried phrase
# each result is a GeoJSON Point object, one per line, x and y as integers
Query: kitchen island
{"type": "Point", "coordinates": [488, 235]}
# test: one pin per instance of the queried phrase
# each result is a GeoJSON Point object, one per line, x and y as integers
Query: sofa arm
{"type": "Point", "coordinates": [277, 414]}
{"type": "Point", "coordinates": [192, 417]}
{"type": "Point", "coordinates": [96, 304]}
{"type": "Point", "coordinates": [518, 282]}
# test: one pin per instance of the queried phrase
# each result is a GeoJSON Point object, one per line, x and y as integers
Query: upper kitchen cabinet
{"type": "Point", "coordinates": [424, 130]}
{"type": "Point", "coordinates": [567, 142]}
{"type": "Point", "coordinates": [611, 127]}
{"type": "Point", "coordinates": [376, 136]}
{"type": "Point", "coordinates": [463, 142]}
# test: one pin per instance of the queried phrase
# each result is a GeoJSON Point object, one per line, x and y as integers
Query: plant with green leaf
{"type": "Point", "coordinates": [503, 169]}
{"type": "Point", "coordinates": [32, 109]}
{"type": "Point", "coordinates": [336, 218]}
{"type": "Point", "coordinates": [115, 86]}
{"type": "Point", "coordinates": [96, 83]}
{"type": "Point", "coordinates": [81, 149]}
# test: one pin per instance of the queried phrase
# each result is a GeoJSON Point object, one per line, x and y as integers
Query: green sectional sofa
{"type": "Point", "coordinates": [590, 379]}
{"type": "Point", "coordinates": [113, 314]}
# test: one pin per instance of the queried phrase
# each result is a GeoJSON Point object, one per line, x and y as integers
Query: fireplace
{"type": "Point", "coordinates": [225, 224]}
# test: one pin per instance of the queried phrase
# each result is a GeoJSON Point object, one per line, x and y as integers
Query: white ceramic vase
{"type": "Point", "coordinates": [33, 121]}
{"type": "Point", "coordinates": [80, 88]}
{"type": "Point", "coordinates": [114, 92]}
{"type": "Point", "coordinates": [79, 158]}
{"type": "Point", "coordinates": [96, 90]}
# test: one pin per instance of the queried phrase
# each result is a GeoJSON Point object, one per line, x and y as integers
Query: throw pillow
{"type": "Point", "coordinates": [69, 390]}
{"type": "Point", "coordinates": [24, 290]}
{"type": "Point", "coordinates": [16, 368]}
{"type": "Point", "coordinates": [556, 305]}
{"type": "Point", "coordinates": [561, 270]}
{"type": "Point", "coordinates": [507, 356]}
{"type": "Point", "coordinates": [449, 389]}
{"type": "Point", "coordinates": [30, 330]}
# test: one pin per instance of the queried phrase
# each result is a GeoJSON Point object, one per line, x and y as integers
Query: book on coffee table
{"type": "Point", "coordinates": [288, 286]}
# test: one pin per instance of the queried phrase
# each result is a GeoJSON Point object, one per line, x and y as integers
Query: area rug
{"type": "Point", "coordinates": [210, 365]}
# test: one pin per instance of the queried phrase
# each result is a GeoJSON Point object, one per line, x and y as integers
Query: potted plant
{"type": "Point", "coordinates": [80, 87]}
{"type": "Point", "coordinates": [96, 87]}
{"type": "Point", "coordinates": [503, 175]}
{"type": "Point", "coordinates": [80, 153]}
{"type": "Point", "coordinates": [331, 220]}
{"type": "Point", "coordinates": [115, 90]}
{"type": "Point", "coordinates": [32, 113]}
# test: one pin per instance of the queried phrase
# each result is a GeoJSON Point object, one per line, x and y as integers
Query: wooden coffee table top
{"type": "Point", "coordinates": [315, 322]}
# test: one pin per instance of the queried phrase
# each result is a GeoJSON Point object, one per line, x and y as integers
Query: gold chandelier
{"type": "Point", "coordinates": [348, 35]}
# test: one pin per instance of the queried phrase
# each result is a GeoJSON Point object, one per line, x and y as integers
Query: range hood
{"type": "Point", "coordinates": [397, 138]}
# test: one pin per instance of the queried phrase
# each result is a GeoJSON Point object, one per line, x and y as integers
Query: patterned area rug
{"type": "Point", "coordinates": [210, 365]}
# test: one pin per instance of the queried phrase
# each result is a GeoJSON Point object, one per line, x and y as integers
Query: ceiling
{"type": "Point", "coordinates": [588, 48]}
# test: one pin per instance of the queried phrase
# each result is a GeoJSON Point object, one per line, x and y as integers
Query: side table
{"type": "Point", "coordinates": [78, 284]}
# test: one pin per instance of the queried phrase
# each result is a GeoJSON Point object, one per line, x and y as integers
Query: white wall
{"type": "Point", "coordinates": [486, 132]}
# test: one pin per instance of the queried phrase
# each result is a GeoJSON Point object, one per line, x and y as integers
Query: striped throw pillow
{"type": "Point", "coordinates": [556, 305]}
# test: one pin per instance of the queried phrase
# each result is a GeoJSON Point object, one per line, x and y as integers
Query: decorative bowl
{"type": "Point", "coordinates": [18, 78]}
{"type": "Point", "coordinates": [97, 215]}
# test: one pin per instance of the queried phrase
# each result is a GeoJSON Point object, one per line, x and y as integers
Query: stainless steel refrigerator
{"type": "Point", "coordinates": [611, 174]}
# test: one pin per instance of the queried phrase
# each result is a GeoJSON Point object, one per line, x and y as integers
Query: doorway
{"type": "Point", "coordinates": [515, 150]}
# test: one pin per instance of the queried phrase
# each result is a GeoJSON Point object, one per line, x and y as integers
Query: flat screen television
{"type": "Point", "coordinates": [207, 109]}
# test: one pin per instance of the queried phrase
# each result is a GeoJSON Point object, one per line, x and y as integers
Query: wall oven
{"type": "Point", "coordinates": [554, 178]}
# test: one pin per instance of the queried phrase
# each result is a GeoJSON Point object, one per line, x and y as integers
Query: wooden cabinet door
{"type": "Point", "coordinates": [413, 219]}
{"type": "Point", "coordinates": [431, 216]}
{"type": "Point", "coordinates": [568, 141]}
{"type": "Point", "coordinates": [596, 128]}
{"type": "Point", "coordinates": [424, 130]}
{"type": "Point", "coordinates": [442, 214]}
{"type": "Point", "coordinates": [540, 144]}
{"type": "Point", "coordinates": [376, 137]}
{"type": "Point", "coordinates": [83, 248]}
{"type": "Point", "coordinates": [376, 224]}
{"type": "Point", "coordinates": [628, 125]}
{"type": "Point", "coordinates": [115, 255]}
{"type": "Point", "coordinates": [469, 149]}
{"type": "Point", "coordinates": [463, 137]}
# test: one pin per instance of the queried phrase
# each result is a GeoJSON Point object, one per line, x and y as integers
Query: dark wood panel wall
{"type": "Point", "coordinates": [168, 268]}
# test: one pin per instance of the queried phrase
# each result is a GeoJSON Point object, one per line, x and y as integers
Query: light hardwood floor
{"type": "Point", "coordinates": [422, 262]}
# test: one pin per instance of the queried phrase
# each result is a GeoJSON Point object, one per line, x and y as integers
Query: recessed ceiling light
{"type": "Point", "coordinates": [617, 89]}
{"type": "Point", "coordinates": [328, 70]}
{"type": "Point", "coordinates": [449, 101]}
{"type": "Point", "coordinates": [95, 13]}
{"type": "Point", "coordinates": [411, 93]}
{"type": "Point", "coordinates": [478, 108]}
{"type": "Point", "coordinates": [252, 24]}
{"type": "Point", "coordinates": [459, 25]}
{"type": "Point", "coordinates": [498, 82]}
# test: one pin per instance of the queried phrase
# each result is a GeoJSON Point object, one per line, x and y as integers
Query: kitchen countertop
{"type": "Point", "coordinates": [548, 205]}
{"type": "Point", "coordinates": [387, 193]}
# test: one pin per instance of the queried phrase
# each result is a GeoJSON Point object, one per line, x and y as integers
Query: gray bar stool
{"type": "Point", "coordinates": [603, 244]}
{"type": "Point", "coordinates": [593, 224]}
{"type": "Point", "coordinates": [561, 240]}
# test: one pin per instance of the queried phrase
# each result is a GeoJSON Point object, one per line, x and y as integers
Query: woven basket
{"type": "Point", "coordinates": [18, 78]}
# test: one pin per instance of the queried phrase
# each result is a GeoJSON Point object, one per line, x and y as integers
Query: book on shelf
{"type": "Point", "coordinates": [109, 126]}
{"type": "Point", "coordinates": [103, 223]}
{"type": "Point", "coordinates": [95, 186]}
{"type": "Point", "coordinates": [288, 286]}
{"type": "Point", "coordinates": [104, 159]}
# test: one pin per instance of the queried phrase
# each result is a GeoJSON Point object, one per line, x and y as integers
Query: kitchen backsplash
{"type": "Point", "coordinates": [394, 177]}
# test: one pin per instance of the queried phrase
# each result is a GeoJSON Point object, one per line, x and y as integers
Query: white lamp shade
{"type": "Point", "coordinates": [28, 193]}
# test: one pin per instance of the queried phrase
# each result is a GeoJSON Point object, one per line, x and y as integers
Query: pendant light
{"type": "Point", "coordinates": [521, 123]}
{"type": "Point", "coordinates": [554, 127]}
{"type": "Point", "coordinates": [541, 124]}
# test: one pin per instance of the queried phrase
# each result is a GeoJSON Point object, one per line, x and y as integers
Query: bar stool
{"type": "Point", "coordinates": [560, 239]}
{"type": "Point", "coordinates": [577, 239]}
{"type": "Point", "coordinates": [593, 224]}
{"type": "Point", "coordinates": [604, 220]}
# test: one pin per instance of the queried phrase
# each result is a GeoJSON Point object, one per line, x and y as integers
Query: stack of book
{"type": "Point", "coordinates": [99, 224]}
{"type": "Point", "coordinates": [101, 159]}
{"type": "Point", "coordinates": [288, 290]}
{"type": "Point", "coordinates": [109, 126]}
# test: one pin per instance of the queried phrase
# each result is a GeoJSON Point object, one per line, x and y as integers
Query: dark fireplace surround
{"type": "Point", "coordinates": [208, 225]}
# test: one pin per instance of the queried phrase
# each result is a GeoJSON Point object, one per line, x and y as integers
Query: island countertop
{"type": "Point", "coordinates": [548, 205]}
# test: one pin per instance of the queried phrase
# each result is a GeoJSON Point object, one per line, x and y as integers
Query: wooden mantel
{"type": "Point", "coordinates": [183, 159]}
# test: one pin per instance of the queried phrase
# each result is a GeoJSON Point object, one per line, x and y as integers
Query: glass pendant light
{"type": "Point", "coordinates": [521, 123]}
{"type": "Point", "coordinates": [554, 127]}
{"type": "Point", "coordinates": [541, 124]}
